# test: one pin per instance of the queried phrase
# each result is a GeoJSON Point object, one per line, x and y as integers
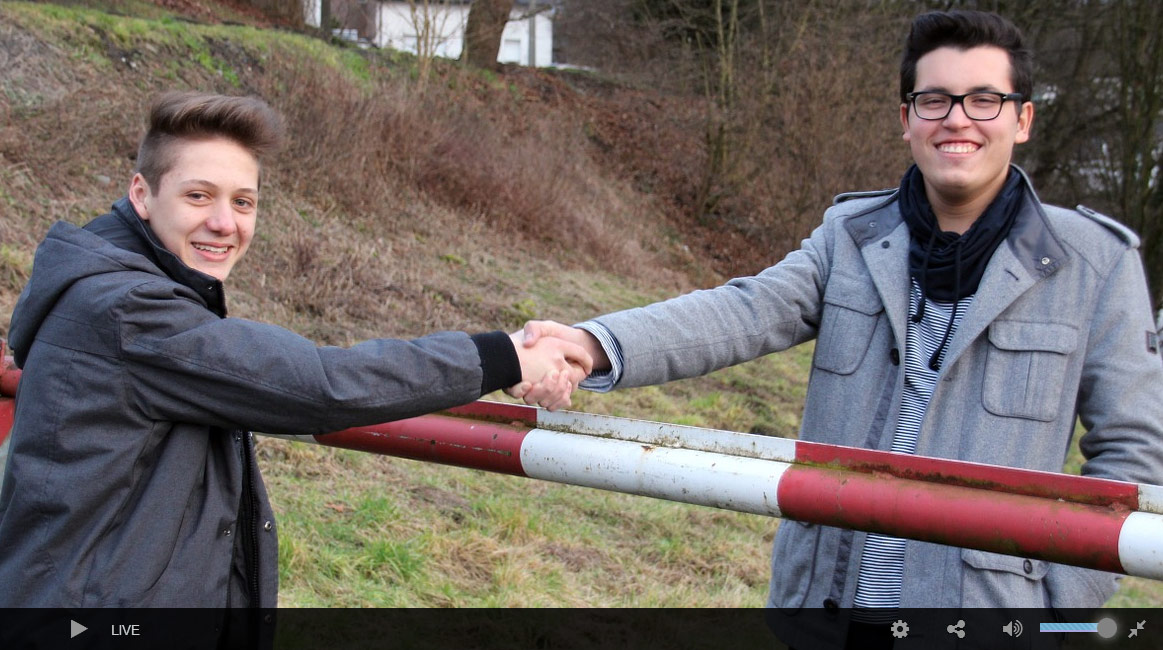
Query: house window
{"type": "Point", "coordinates": [510, 51]}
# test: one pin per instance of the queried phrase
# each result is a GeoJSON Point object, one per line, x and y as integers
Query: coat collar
{"type": "Point", "coordinates": [1030, 253]}
{"type": "Point", "coordinates": [125, 229]}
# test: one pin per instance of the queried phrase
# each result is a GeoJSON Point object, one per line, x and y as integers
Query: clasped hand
{"type": "Point", "coordinates": [559, 357]}
{"type": "Point", "coordinates": [551, 368]}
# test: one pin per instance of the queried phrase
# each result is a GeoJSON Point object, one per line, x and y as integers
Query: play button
{"type": "Point", "coordinates": [75, 628]}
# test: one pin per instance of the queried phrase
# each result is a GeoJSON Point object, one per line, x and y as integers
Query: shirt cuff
{"type": "Point", "coordinates": [605, 380]}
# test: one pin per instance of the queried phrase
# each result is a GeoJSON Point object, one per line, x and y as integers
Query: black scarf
{"type": "Point", "coordinates": [948, 266]}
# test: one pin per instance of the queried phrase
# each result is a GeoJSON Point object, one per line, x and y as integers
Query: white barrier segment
{"type": "Point", "coordinates": [1141, 545]}
{"type": "Point", "coordinates": [698, 477]}
{"type": "Point", "coordinates": [662, 434]}
{"type": "Point", "coordinates": [292, 438]}
{"type": "Point", "coordinates": [1151, 498]}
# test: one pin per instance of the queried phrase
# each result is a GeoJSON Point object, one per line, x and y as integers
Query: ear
{"type": "Point", "coordinates": [1025, 122]}
{"type": "Point", "coordinates": [138, 191]}
{"type": "Point", "coordinates": [905, 122]}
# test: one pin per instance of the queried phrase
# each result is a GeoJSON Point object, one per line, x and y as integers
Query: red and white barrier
{"type": "Point", "coordinates": [1096, 523]}
{"type": "Point", "coordinates": [1089, 522]}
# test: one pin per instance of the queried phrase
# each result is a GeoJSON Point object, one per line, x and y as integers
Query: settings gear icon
{"type": "Point", "coordinates": [900, 629]}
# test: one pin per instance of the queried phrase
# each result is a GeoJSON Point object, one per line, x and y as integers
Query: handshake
{"type": "Point", "coordinates": [554, 358]}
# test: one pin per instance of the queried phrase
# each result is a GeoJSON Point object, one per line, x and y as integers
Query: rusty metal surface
{"type": "Point", "coordinates": [1119, 495]}
{"type": "Point", "coordinates": [1014, 524]}
{"type": "Point", "coordinates": [490, 446]}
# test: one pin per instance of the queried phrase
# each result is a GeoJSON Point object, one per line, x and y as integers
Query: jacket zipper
{"type": "Point", "coordinates": [252, 525]}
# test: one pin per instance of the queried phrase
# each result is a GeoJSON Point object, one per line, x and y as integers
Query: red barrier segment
{"type": "Point", "coordinates": [1076, 489]}
{"type": "Point", "coordinates": [1014, 524]}
{"type": "Point", "coordinates": [439, 439]}
{"type": "Point", "coordinates": [9, 378]}
{"type": "Point", "coordinates": [9, 373]}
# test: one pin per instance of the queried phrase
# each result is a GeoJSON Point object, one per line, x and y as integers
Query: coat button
{"type": "Point", "coordinates": [830, 605]}
{"type": "Point", "coordinates": [267, 526]}
{"type": "Point", "coordinates": [226, 532]}
{"type": "Point", "coordinates": [894, 355]}
{"type": "Point", "coordinates": [884, 244]}
{"type": "Point", "coordinates": [1045, 261]}
{"type": "Point", "coordinates": [1028, 566]}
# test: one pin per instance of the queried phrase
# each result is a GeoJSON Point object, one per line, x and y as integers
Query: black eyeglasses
{"type": "Point", "coordinates": [981, 106]}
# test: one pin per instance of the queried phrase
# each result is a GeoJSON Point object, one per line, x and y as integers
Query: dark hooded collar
{"type": "Point", "coordinates": [123, 228]}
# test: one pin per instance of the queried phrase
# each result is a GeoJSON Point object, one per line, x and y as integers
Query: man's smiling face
{"type": "Point", "coordinates": [205, 207]}
{"type": "Point", "coordinates": [964, 160]}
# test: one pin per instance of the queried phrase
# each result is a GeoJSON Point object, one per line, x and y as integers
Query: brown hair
{"type": "Point", "coordinates": [248, 121]}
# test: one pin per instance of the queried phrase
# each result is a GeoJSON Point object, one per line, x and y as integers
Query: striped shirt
{"type": "Point", "coordinates": [882, 565]}
{"type": "Point", "coordinates": [603, 381]}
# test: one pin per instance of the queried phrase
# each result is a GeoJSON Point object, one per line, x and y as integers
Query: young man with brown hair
{"type": "Point", "coordinates": [132, 480]}
{"type": "Point", "coordinates": [956, 316]}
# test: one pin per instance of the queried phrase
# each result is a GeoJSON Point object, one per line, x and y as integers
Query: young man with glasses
{"type": "Point", "coordinates": [956, 316]}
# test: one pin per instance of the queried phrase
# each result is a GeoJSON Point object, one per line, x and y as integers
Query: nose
{"type": "Point", "coordinates": [221, 221]}
{"type": "Point", "coordinates": [957, 114]}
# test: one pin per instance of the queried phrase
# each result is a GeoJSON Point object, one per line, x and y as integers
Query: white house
{"type": "Point", "coordinates": [436, 27]}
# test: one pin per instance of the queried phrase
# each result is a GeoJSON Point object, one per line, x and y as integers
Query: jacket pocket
{"type": "Point", "coordinates": [851, 311]}
{"type": "Point", "coordinates": [1071, 587]}
{"type": "Point", "coordinates": [995, 580]}
{"type": "Point", "coordinates": [793, 561]}
{"type": "Point", "coordinates": [1024, 369]}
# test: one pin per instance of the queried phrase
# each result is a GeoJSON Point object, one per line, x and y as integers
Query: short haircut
{"type": "Point", "coordinates": [248, 121]}
{"type": "Point", "coordinates": [964, 30]}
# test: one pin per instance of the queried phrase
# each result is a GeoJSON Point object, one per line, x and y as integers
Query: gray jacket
{"type": "Point", "coordinates": [131, 478]}
{"type": "Point", "coordinates": [1058, 330]}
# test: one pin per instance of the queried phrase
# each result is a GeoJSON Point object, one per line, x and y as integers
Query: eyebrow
{"type": "Point", "coordinates": [975, 89]}
{"type": "Point", "coordinates": [198, 182]}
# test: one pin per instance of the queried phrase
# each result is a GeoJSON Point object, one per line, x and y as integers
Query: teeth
{"type": "Point", "coordinates": [959, 148]}
{"type": "Point", "coordinates": [211, 249]}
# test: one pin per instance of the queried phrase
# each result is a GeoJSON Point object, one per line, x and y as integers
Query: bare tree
{"type": "Point", "coordinates": [325, 17]}
{"type": "Point", "coordinates": [791, 118]}
{"type": "Point", "coordinates": [430, 21]}
{"type": "Point", "coordinates": [482, 34]}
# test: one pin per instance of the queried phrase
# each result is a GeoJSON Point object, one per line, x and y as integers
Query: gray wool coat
{"type": "Point", "coordinates": [1057, 332]}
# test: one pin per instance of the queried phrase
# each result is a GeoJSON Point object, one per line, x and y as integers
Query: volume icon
{"type": "Point", "coordinates": [1013, 628]}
